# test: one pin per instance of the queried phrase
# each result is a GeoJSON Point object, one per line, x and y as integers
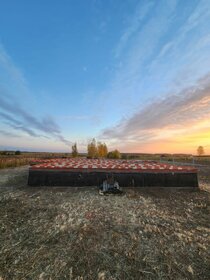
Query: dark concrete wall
{"type": "Point", "coordinates": [67, 178]}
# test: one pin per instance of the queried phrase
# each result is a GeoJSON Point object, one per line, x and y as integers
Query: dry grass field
{"type": "Point", "coordinates": [10, 159]}
{"type": "Point", "coordinates": [73, 233]}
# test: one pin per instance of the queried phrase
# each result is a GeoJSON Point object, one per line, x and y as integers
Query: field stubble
{"type": "Point", "coordinates": [73, 233]}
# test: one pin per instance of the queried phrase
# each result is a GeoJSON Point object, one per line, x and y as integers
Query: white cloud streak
{"type": "Point", "coordinates": [165, 52]}
{"type": "Point", "coordinates": [174, 114]}
{"type": "Point", "coordinates": [133, 26]}
{"type": "Point", "coordinates": [12, 113]}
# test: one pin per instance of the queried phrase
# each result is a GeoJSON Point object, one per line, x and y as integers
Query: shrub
{"type": "Point", "coordinates": [114, 154]}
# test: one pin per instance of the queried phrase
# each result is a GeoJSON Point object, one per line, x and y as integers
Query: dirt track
{"type": "Point", "coordinates": [14, 177]}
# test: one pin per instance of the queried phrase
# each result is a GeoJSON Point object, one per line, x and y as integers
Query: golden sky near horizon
{"type": "Point", "coordinates": [183, 140]}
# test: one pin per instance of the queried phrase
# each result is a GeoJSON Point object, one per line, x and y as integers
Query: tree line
{"type": "Point", "coordinates": [100, 150]}
{"type": "Point", "coordinates": [96, 150]}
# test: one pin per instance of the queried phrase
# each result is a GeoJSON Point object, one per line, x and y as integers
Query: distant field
{"type": "Point", "coordinates": [191, 159]}
{"type": "Point", "coordinates": [9, 159]}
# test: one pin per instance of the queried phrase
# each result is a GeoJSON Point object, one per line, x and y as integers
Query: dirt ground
{"type": "Point", "coordinates": [73, 233]}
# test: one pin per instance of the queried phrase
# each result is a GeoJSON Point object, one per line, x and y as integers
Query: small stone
{"type": "Point", "coordinates": [190, 270]}
{"type": "Point", "coordinates": [101, 275]}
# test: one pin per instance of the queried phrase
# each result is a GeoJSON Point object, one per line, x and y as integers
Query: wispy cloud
{"type": "Point", "coordinates": [28, 131]}
{"type": "Point", "coordinates": [15, 115]}
{"type": "Point", "coordinates": [131, 76]}
{"type": "Point", "coordinates": [9, 118]}
{"type": "Point", "coordinates": [8, 65]}
{"type": "Point", "coordinates": [16, 112]}
{"type": "Point", "coordinates": [9, 134]}
{"type": "Point", "coordinates": [166, 118]}
{"type": "Point", "coordinates": [168, 52]}
{"type": "Point", "coordinates": [133, 26]}
{"type": "Point", "coordinates": [19, 119]}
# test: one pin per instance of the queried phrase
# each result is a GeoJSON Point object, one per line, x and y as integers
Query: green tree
{"type": "Point", "coordinates": [114, 154]}
{"type": "Point", "coordinates": [74, 152]}
{"type": "Point", "coordinates": [92, 150]}
{"type": "Point", "coordinates": [17, 153]}
{"type": "Point", "coordinates": [200, 150]}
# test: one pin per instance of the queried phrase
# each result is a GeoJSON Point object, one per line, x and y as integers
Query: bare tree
{"type": "Point", "coordinates": [74, 152]}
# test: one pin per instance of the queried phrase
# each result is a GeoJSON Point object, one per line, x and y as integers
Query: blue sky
{"type": "Point", "coordinates": [135, 74]}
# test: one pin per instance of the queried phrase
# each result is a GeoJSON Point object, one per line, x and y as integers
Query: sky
{"type": "Point", "coordinates": [133, 74]}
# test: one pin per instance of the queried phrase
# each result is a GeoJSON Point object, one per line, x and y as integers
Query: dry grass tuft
{"type": "Point", "coordinates": [14, 161]}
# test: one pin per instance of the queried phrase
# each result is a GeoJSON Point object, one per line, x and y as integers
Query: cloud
{"type": "Point", "coordinates": [130, 75]}
{"type": "Point", "coordinates": [19, 119]}
{"type": "Point", "coordinates": [10, 118]}
{"type": "Point", "coordinates": [29, 131]}
{"type": "Point", "coordinates": [168, 50]}
{"type": "Point", "coordinates": [166, 117]}
{"type": "Point", "coordinates": [133, 26]}
{"type": "Point", "coordinates": [183, 58]}
{"type": "Point", "coordinates": [16, 117]}
{"type": "Point", "coordinates": [9, 134]}
{"type": "Point", "coordinates": [46, 125]}
{"type": "Point", "coordinates": [63, 139]}
{"type": "Point", "coordinates": [7, 64]}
